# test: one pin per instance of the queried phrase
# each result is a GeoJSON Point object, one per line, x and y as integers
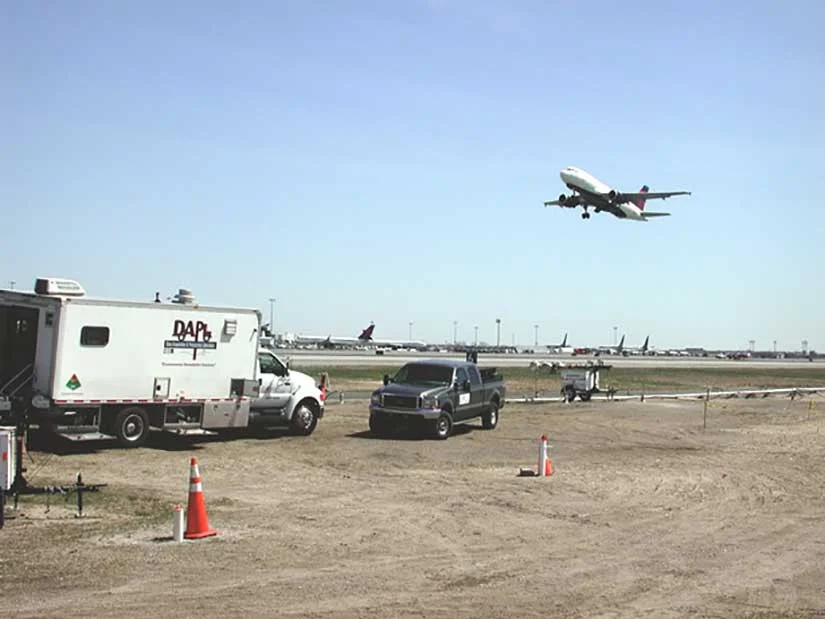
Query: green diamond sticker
{"type": "Point", "coordinates": [73, 383]}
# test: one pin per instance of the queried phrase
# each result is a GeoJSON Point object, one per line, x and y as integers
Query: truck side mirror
{"type": "Point", "coordinates": [386, 379]}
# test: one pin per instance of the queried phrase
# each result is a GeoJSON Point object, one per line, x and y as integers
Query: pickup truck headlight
{"type": "Point", "coordinates": [431, 403]}
{"type": "Point", "coordinates": [375, 399]}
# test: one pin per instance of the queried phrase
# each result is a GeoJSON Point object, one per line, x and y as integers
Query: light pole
{"type": "Point", "coordinates": [455, 332]}
{"type": "Point", "coordinates": [11, 284]}
{"type": "Point", "coordinates": [536, 327]}
{"type": "Point", "coordinates": [614, 335]}
{"type": "Point", "coordinates": [411, 324]}
{"type": "Point", "coordinates": [272, 316]}
{"type": "Point", "coordinates": [498, 332]}
{"type": "Point", "coordinates": [476, 340]}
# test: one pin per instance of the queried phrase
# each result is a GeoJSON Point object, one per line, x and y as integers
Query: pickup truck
{"type": "Point", "coordinates": [436, 395]}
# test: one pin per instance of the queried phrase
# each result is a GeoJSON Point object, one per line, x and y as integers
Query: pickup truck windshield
{"type": "Point", "coordinates": [422, 374]}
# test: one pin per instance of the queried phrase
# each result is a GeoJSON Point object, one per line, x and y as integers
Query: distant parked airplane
{"type": "Point", "coordinates": [364, 338]}
{"type": "Point", "coordinates": [589, 191]}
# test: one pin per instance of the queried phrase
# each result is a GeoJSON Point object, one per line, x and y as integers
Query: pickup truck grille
{"type": "Point", "coordinates": [400, 401]}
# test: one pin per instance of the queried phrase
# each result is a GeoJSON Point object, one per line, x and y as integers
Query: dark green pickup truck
{"type": "Point", "coordinates": [436, 394]}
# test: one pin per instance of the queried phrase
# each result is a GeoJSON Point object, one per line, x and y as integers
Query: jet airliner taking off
{"type": "Point", "coordinates": [588, 191]}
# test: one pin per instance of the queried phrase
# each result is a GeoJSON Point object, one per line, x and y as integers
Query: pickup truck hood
{"type": "Point", "coordinates": [411, 390]}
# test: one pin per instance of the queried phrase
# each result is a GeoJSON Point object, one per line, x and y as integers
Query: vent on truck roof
{"type": "Point", "coordinates": [58, 287]}
{"type": "Point", "coordinates": [184, 297]}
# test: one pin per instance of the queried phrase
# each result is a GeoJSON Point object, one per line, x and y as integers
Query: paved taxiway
{"type": "Point", "coordinates": [345, 358]}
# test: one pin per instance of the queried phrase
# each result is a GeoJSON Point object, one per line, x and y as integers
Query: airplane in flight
{"type": "Point", "coordinates": [588, 191]}
{"type": "Point", "coordinates": [365, 338]}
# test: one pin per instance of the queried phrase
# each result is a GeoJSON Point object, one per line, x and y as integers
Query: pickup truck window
{"type": "Point", "coordinates": [423, 374]}
{"type": "Point", "coordinates": [461, 376]}
{"type": "Point", "coordinates": [475, 377]}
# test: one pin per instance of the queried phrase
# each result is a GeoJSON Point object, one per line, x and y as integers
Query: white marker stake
{"type": "Point", "coordinates": [177, 523]}
{"type": "Point", "coordinates": [542, 455]}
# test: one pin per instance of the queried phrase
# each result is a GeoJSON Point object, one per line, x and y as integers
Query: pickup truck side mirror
{"type": "Point", "coordinates": [386, 379]}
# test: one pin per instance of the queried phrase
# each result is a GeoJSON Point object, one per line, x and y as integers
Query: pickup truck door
{"type": "Point", "coordinates": [464, 405]}
{"type": "Point", "coordinates": [275, 383]}
{"type": "Point", "coordinates": [478, 395]}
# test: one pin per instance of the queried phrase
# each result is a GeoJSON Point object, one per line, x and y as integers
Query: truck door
{"type": "Point", "coordinates": [478, 393]}
{"type": "Point", "coordinates": [276, 388]}
{"type": "Point", "coordinates": [464, 402]}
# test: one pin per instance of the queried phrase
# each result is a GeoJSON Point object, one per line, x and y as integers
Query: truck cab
{"type": "Point", "coordinates": [286, 397]}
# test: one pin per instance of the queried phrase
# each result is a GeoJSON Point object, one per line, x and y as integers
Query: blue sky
{"type": "Point", "coordinates": [388, 161]}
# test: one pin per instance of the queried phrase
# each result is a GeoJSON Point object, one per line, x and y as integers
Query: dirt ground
{"type": "Point", "coordinates": [646, 514]}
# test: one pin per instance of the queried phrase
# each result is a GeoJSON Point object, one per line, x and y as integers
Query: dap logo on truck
{"type": "Point", "coordinates": [191, 335]}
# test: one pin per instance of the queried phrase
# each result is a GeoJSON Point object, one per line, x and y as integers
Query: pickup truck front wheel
{"type": "Point", "coordinates": [442, 426]}
{"type": "Point", "coordinates": [489, 420]}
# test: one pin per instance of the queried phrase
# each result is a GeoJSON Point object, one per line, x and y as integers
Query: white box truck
{"type": "Point", "coordinates": [90, 368]}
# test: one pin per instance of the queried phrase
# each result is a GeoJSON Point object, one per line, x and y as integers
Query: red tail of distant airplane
{"type": "Point", "coordinates": [366, 334]}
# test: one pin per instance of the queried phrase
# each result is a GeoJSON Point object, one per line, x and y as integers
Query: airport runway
{"type": "Point", "coordinates": [344, 358]}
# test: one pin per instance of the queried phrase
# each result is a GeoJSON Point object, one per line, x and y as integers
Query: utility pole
{"type": "Point", "coordinates": [498, 332]}
{"type": "Point", "coordinates": [411, 324]}
{"type": "Point", "coordinates": [774, 347]}
{"type": "Point", "coordinates": [455, 332]}
{"type": "Point", "coordinates": [536, 343]}
{"type": "Point", "coordinates": [614, 335]}
{"type": "Point", "coordinates": [272, 316]}
{"type": "Point", "coordinates": [476, 340]}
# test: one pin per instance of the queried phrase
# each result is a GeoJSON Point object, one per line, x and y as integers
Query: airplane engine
{"type": "Point", "coordinates": [562, 199]}
{"type": "Point", "coordinates": [612, 194]}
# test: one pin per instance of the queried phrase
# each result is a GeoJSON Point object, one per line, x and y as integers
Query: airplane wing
{"type": "Point", "coordinates": [661, 195]}
{"type": "Point", "coordinates": [646, 214]}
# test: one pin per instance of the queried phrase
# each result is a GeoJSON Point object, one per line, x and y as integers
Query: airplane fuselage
{"type": "Point", "coordinates": [592, 189]}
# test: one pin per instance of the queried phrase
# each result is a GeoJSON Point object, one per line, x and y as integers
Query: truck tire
{"type": "Point", "coordinates": [442, 426]}
{"type": "Point", "coordinates": [304, 418]}
{"type": "Point", "coordinates": [131, 427]}
{"type": "Point", "coordinates": [380, 424]}
{"type": "Point", "coordinates": [569, 393]}
{"type": "Point", "coordinates": [489, 420]}
{"type": "Point", "coordinates": [585, 396]}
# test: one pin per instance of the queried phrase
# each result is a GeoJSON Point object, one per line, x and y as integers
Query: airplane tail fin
{"type": "Point", "coordinates": [644, 346]}
{"type": "Point", "coordinates": [640, 202]}
{"type": "Point", "coordinates": [564, 341]}
{"type": "Point", "coordinates": [366, 334]}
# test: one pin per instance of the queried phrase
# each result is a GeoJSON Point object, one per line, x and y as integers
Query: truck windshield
{"type": "Point", "coordinates": [422, 374]}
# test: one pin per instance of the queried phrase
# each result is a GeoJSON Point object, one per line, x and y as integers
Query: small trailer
{"type": "Point", "coordinates": [90, 368]}
{"type": "Point", "coordinates": [581, 381]}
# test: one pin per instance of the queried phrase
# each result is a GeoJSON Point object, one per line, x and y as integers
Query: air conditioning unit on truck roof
{"type": "Point", "coordinates": [90, 368]}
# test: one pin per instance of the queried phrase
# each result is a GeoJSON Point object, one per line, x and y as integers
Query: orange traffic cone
{"type": "Point", "coordinates": [197, 524]}
{"type": "Point", "coordinates": [548, 466]}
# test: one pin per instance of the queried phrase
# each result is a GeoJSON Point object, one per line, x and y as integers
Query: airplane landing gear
{"type": "Point", "coordinates": [585, 215]}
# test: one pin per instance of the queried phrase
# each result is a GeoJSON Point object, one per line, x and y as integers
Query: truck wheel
{"type": "Point", "coordinates": [131, 427]}
{"type": "Point", "coordinates": [442, 426]}
{"type": "Point", "coordinates": [569, 393]}
{"type": "Point", "coordinates": [304, 419]}
{"type": "Point", "coordinates": [489, 420]}
{"type": "Point", "coordinates": [585, 396]}
{"type": "Point", "coordinates": [379, 424]}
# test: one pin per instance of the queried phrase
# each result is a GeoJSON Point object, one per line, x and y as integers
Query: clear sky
{"type": "Point", "coordinates": [388, 161]}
